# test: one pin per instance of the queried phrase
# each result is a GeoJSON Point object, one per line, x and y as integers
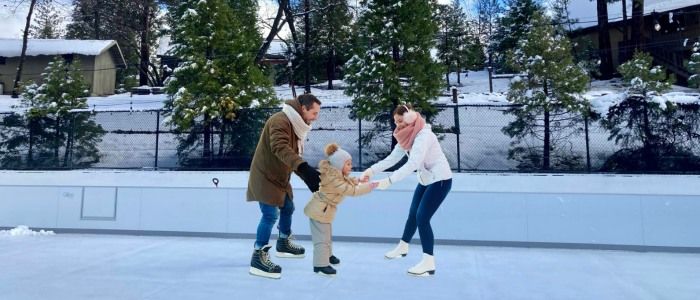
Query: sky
{"type": "Point", "coordinates": [12, 22]}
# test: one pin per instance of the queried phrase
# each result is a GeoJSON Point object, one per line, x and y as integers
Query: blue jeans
{"type": "Point", "coordinates": [426, 201]}
{"type": "Point", "coordinates": [270, 214]}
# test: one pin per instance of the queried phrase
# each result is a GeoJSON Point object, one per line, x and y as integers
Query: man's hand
{"type": "Point", "coordinates": [310, 176]}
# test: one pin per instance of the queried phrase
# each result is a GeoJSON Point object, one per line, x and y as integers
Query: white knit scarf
{"type": "Point", "coordinates": [301, 129]}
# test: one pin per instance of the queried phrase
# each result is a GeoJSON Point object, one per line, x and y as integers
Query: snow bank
{"type": "Point", "coordinates": [23, 230]}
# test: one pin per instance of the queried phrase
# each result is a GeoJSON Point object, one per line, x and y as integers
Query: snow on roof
{"type": "Point", "coordinates": [666, 5]}
{"type": "Point", "coordinates": [35, 47]}
{"type": "Point", "coordinates": [586, 11]}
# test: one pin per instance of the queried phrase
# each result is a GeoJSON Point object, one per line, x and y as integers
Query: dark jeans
{"type": "Point", "coordinates": [270, 214]}
{"type": "Point", "coordinates": [426, 200]}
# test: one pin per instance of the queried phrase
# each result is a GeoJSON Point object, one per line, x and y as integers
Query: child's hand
{"type": "Point", "coordinates": [366, 175]}
{"type": "Point", "coordinates": [373, 185]}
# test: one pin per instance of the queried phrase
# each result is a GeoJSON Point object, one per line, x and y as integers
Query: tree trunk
{"type": "Point", "coordinates": [394, 99]}
{"type": "Point", "coordinates": [459, 73]}
{"type": "Point", "coordinates": [606, 67]}
{"type": "Point", "coordinates": [547, 146]}
{"type": "Point", "coordinates": [331, 63]}
{"type": "Point", "coordinates": [206, 153]}
{"type": "Point", "coordinates": [637, 23]}
{"type": "Point", "coordinates": [96, 18]}
{"type": "Point", "coordinates": [57, 138]}
{"type": "Point", "coordinates": [625, 27]}
{"type": "Point", "coordinates": [69, 143]}
{"type": "Point", "coordinates": [145, 49]}
{"type": "Point", "coordinates": [30, 153]}
{"type": "Point", "coordinates": [273, 31]}
{"type": "Point", "coordinates": [222, 137]}
{"type": "Point", "coordinates": [307, 63]}
{"type": "Point", "coordinates": [18, 77]}
{"type": "Point", "coordinates": [649, 141]}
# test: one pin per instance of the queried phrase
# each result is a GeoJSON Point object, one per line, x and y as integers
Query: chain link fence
{"type": "Point", "coordinates": [472, 138]}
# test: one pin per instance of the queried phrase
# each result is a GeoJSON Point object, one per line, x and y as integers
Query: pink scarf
{"type": "Point", "coordinates": [406, 135]}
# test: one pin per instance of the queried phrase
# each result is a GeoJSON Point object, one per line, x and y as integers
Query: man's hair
{"type": "Point", "coordinates": [308, 100]}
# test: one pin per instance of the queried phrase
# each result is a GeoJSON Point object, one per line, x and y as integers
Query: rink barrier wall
{"type": "Point", "coordinates": [592, 211]}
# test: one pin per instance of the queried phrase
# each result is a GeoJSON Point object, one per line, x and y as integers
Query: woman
{"type": "Point", "coordinates": [417, 140]}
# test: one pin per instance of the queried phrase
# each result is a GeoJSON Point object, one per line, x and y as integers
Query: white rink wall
{"type": "Point", "coordinates": [572, 210]}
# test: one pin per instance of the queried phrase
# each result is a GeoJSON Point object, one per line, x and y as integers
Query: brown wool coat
{"type": "Point", "coordinates": [275, 158]}
{"type": "Point", "coordinates": [332, 190]}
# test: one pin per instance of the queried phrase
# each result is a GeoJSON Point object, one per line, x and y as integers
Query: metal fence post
{"type": "Point", "coordinates": [457, 130]}
{"type": "Point", "coordinates": [157, 136]}
{"type": "Point", "coordinates": [588, 149]}
{"type": "Point", "coordinates": [359, 139]}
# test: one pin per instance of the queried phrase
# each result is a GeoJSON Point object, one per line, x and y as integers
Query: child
{"type": "Point", "coordinates": [335, 185]}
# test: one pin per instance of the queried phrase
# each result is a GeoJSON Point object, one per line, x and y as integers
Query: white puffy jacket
{"type": "Point", "coordinates": [425, 156]}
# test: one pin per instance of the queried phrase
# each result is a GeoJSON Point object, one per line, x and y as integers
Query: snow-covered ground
{"type": "Point", "coordinates": [482, 144]}
{"type": "Point", "coordinates": [71, 266]}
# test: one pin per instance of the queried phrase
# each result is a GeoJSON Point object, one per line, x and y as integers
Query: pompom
{"type": "Point", "coordinates": [331, 148]}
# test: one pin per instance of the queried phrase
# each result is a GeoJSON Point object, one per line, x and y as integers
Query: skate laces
{"type": "Point", "coordinates": [290, 244]}
{"type": "Point", "coordinates": [265, 258]}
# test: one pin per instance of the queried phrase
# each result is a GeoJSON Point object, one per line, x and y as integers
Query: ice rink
{"type": "Point", "coordinates": [88, 266]}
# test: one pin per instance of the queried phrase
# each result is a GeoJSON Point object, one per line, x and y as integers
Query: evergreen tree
{"type": "Point", "coordinates": [52, 123]}
{"type": "Point", "coordinates": [694, 66]}
{"type": "Point", "coordinates": [656, 135]}
{"type": "Point", "coordinates": [511, 28]}
{"type": "Point", "coordinates": [47, 23]}
{"type": "Point", "coordinates": [487, 21]}
{"type": "Point", "coordinates": [218, 75]}
{"type": "Point", "coordinates": [329, 39]}
{"type": "Point", "coordinates": [133, 24]}
{"type": "Point", "coordinates": [550, 95]}
{"type": "Point", "coordinates": [458, 48]}
{"type": "Point", "coordinates": [561, 16]}
{"type": "Point", "coordinates": [392, 63]}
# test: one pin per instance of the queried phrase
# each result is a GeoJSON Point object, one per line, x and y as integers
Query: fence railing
{"type": "Point", "coordinates": [472, 138]}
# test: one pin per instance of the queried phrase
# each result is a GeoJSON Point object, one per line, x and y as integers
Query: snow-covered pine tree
{"type": "Point", "coordinates": [47, 22]}
{"type": "Point", "coordinates": [644, 117]}
{"type": "Point", "coordinates": [329, 39]}
{"type": "Point", "coordinates": [53, 126]}
{"type": "Point", "coordinates": [217, 75]}
{"type": "Point", "coordinates": [694, 66]}
{"type": "Point", "coordinates": [454, 46]}
{"type": "Point", "coordinates": [642, 79]}
{"type": "Point", "coordinates": [511, 28]}
{"type": "Point", "coordinates": [550, 94]}
{"type": "Point", "coordinates": [392, 63]}
{"type": "Point", "coordinates": [126, 21]}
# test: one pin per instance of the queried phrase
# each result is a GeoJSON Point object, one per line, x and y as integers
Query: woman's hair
{"type": "Point", "coordinates": [402, 109]}
{"type": "Point", "coordinates": [331, 148]}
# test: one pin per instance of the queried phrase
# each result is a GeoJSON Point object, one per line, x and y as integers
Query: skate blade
{"type": "Point", "coordinates": [394, 257]}
{"type": "Point", "coordinates": [325, 275]}
{"type": "Point", "coordinates": [424, 274]}
{"type": "Point", "coordinates": [261, 273]}
{"type": "Point", "coordinates": [288, 255]}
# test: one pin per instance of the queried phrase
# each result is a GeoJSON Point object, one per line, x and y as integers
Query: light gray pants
{"type": "Point", "coordinates": [321, 237]}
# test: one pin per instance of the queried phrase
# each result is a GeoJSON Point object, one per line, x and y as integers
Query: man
{"type": "Point", "coordinates": [277, 155]}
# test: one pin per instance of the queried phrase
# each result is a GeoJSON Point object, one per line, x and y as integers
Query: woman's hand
{"type": "Point", "coordinates": [366, 175]}
{"type": "Point", "coordinates": [383, 184]}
